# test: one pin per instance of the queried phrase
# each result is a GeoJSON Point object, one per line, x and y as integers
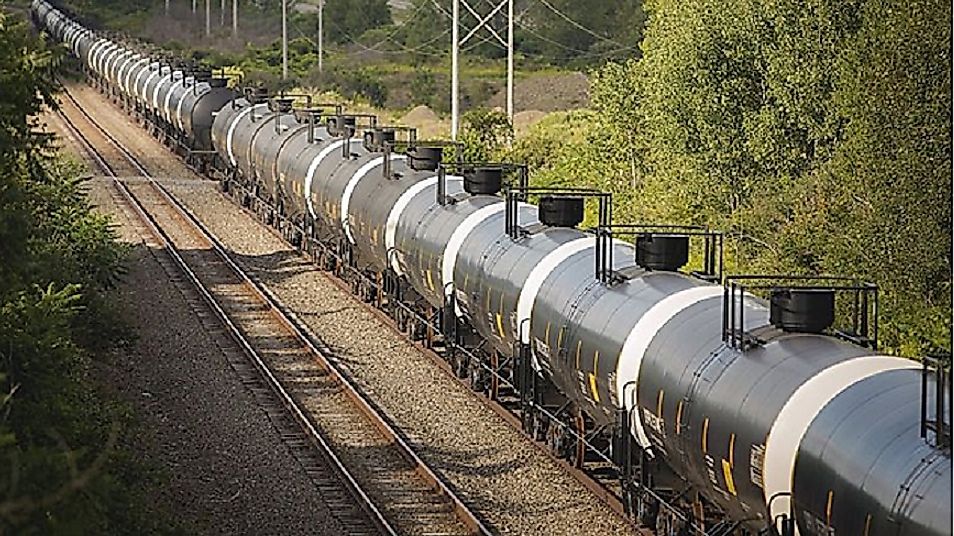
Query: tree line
{"type": "Point", "coordinates": [64, 466]}
{"type": "Point", "coordinates": [817, 135]}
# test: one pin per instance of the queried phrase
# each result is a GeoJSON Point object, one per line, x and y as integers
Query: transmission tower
{"type": "Point", "coordinates": [483, 22]}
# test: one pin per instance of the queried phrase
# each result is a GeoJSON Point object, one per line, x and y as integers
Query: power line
{"type": "Point", "coordinates": [581, 27]}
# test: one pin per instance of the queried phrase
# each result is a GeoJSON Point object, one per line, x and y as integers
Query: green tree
{"type": "Point", "coordinates": [347, 20]}
{"type": "Point", "coordinates": [817, 135]}
{"type": "Point", "coordinates": [60, 466]}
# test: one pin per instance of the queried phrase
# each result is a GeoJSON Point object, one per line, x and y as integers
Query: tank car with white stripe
{"type": "Point", "coordinates": [792, 431]}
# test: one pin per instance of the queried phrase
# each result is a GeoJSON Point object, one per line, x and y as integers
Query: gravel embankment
{"type": "Point", "coordinates": [517, 489]}
{"type": "Point", "coordinates": [224, 466]}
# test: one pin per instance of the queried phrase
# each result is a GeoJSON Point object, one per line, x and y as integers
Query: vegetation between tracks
{"type": "Point", "coordinates": [63, 466]}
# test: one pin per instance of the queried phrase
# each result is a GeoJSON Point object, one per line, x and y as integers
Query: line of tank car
{"type": "Point", "coordinates": [801, 426]}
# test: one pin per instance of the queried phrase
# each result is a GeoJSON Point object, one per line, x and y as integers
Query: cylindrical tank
{"type": "Point", "coordinates": [298, 163]}
{"type": "Point", "coordinates": [197, 110]}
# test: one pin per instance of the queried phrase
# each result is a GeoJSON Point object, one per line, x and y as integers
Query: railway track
{"type": "Point", "coordinates": [366, 471]}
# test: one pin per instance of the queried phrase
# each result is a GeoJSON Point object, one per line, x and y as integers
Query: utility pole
{"type": "Point", "coordinates": [510, 61]}
{"type": "Point", "coordinates": [222, 13]}
{"type": "Point", "coordinates": [455, 87]}
{"type": "Point", "coordinates": [321, 35]}
{"type": "Point", "coordinates": [194, 6]}
{"type": "Point", "coordinates": [208, 18]}
{"type": "Point", "coordinates": [483, 21]}
{"type": "Point", "coordinates": [167, 9]}
{"type": "Point", "coordinates": [235, 19]}
{"type": "Point", "coordinates": [284, 39]}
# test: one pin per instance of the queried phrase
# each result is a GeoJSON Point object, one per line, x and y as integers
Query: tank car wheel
{"type": "Point", "coordinates": [399, 319]}
{"type": "Point", "coordinates": [540, 425]}
{"type": "Point", "coordinates": [647, 510]}
{"type": "Point", "coordinates": [555, 440]}
{"type": "Point", "coordinates": [460, 365]}
{"type": "Point", "coordinates": [476, 375]}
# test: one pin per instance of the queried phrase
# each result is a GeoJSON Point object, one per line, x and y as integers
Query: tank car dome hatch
{"type": "Point", "coordinates": [281, 105]}
{"type": "Point", "coordinates": [662, 252]}
{"type": "Point", "coordinates": [216, 82]}
{"type": "Point", "coordinates": [256, 95]}
{"type": "Point", "coordinates": [345, 129]}
{"type": "Point", "coordinates": [425, 158]}
{"type": "Point", "coordinates": [561, 211]}
{"type": "Point", "coordinates": [483, 180]}
{"type": "Point", "coordinates": [375, 139]}
{"type": "Point", "coordinates": [802, 310]}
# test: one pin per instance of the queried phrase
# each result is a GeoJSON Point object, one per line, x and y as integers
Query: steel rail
{"type": "Point", "coordinates": [382, 424]}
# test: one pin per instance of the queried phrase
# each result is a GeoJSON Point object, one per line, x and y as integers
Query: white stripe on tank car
{"type": "Point", "coordinates": [144, 72]}
{"type": "Point", "coordinates": [394, 216]}
{"type": "Point", "coordinates": [110, 60]}
{"type": "Point", "coordinates": [352, 184]}
{"type": "Point", "coordinates": [155, 91]}
{"type": "Point", "coordinates": [137, 67]}
{"type": "Point", "coordinates": [145, 86]}
{"type": "Point", "coordinates": [792, 422]}
{"type": "Point", "coordinates": [539, 274]}
{"type": "Point", "coordinates": [231, 130]}
{"type": "Point", "coordinates": [637, 342]}
{"type": "Point", "coordinates": [92, 51]}
{"type": "Point", "coordinates": [165, 106]}
{"type": "Point", "coordinates": [104, 55]}
{"type": "Point", "coordinates": [127, 79]}
{"type": "Point", "coordinates": [119, 67]}
{"type": "Point", "coordinates": [457, 238]}
{"type": "Point", "coordinates": [182, 101]}
{"type": "Point", "coordinates": [310, 175]}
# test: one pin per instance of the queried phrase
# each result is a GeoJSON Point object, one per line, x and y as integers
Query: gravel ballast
{"type": "Point", "coordinates": [516, 488]}
{"type": "Point", "coordinates": [223, 465]}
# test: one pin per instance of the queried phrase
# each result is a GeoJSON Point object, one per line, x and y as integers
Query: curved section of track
{"type": "Point", "coordinates": [365, 469]}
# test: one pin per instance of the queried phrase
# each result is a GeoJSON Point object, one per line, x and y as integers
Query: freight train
{"type": "Point", "coordinates": [726, 405]}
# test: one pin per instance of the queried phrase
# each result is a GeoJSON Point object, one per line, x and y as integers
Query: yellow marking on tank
{"type": "Point", "coordinates": [679, 417]}
{"type": "Point", "coordinates": [593, 375]}
{"type": "Point", "coordinates": [546, 334]}
{"type": "Point", "coordinates": [596, 394]}
{"type": "Point", "coordinates": [430, 280]}
{"type": "Point", "coordinates": [732, 450]}
{"type": "Point", "coordinates": [867, 524]}
{"type": "Point", "coordinates": [374, 236]}
{"type": "Point", "coordinates": [831, 498]}
{"type": "Point", "coordinates": [659, 403]}
{"type": "Point", "coordinates": [727, 473]}
{"type": "Point", "coordinates": [579, 346]}
{"type": "Point", "coordinates": [466, 279]}
{"type": "Point", "coordinates": [705, 435]}
{"type": "Point", "coordinates": [500, 325]}
{"type": "Point", "coordinates": [560, 337]}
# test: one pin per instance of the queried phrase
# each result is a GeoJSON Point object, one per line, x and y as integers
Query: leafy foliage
{"type": "Point", "coordinates": [347, 20]}
{"type": "Point", "coordinates": [485, 133]}
{"type": "Point", "coordinates": [59, 461]}
{"type": "Point", "coordinates": [817, 135]}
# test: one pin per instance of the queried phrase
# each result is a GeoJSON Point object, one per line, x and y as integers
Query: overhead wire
{"type": "Point", "coordinates": [581, 27]}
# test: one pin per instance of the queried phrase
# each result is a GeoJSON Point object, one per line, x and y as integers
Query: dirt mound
{"type": "Point", "coordinates": [428, 124]}
{"type": "Point", "coordinates": [547, 93]}
{"type": "Point", "coordinates": [420, 114]}
{"type": "Point", "coordinates": [522, 121]}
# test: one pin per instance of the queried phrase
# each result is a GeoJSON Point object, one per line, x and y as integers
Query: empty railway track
{"type": "Point", "coordinates": [367, 473]}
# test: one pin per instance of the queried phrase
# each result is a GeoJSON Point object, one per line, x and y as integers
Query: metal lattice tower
{"type": "Point", "coordinates": [483, 22]}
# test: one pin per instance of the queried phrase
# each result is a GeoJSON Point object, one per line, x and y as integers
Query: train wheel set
{"type": "Point", "coordinates": [702, 403]}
